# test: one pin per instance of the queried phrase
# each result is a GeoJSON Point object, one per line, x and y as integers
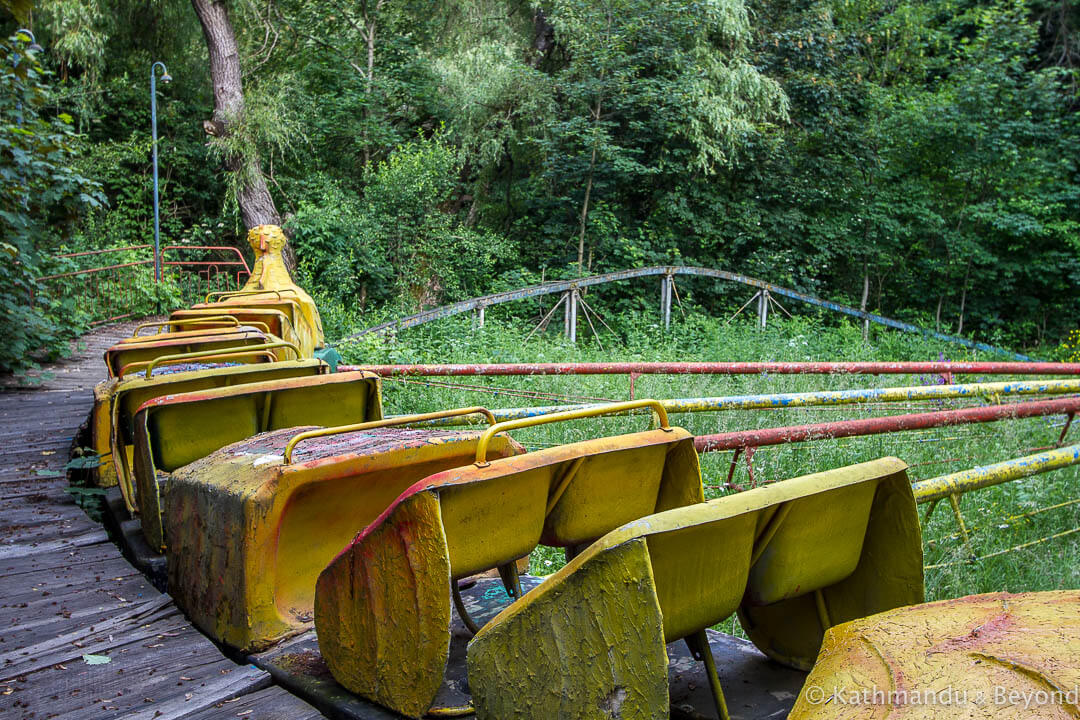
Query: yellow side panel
{"type": "Point", "coordinates": [593, 649]}
{"type": "Point", "coordinates": [700, 572]}
{"type": "Point", "coordinates": [382, 633]}
{"type": "Point", "coordinates": [493, 522]}
{"type": "Point", "coordinates": [978, 657]}
{"type": "Point", "coordinates": [101, 432]}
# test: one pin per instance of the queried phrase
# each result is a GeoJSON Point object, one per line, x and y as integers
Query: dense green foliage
{"type": "Point", "coordinates": [41, 194]}
{"type": "Point", "coordinates": [424, 152]}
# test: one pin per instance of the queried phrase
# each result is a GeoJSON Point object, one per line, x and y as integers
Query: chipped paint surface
{"type": "Point", "coordinates": [487, 516]}
{"type": "Point", "coordinates": [987, 475]}
{"type": "Point", "coordinates": [850, 535]}
{"type": "Point", "coordinates": [371, 646]}
{"type": "Point", "coordinates": [175, 429]}
{"type": "Point", "coordinates": [247, 541]}
{"type": "Point", "coordinates": [982, 656]}
{"type": "Point", "coordinates": [593, 649]}
{"type": "Point", "coordinates": [879, 425]}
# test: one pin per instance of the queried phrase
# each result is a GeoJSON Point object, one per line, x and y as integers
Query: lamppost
{"type": "Point", "coordinates": [15, 59]}
{"type": "Point", "coordinates": [165, 78]}
{"type": "Point", "coordinates": [33, 41]}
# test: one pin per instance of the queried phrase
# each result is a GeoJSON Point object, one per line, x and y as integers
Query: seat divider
{"type": "Point", "coordinates": [268, 399]}
{"type": "Point", "coordinates": [562, 484]}
{"type": "Point", "coordinates": [822, 611]}
{"type": "Point", "coordinates": [769, 532]}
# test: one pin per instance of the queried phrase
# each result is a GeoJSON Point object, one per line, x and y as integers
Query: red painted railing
{"type": "Point", "coordinates": [109, 291]}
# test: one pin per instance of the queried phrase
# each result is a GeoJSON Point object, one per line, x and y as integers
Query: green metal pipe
{"type": "Point", "coordinates": [980, 477]}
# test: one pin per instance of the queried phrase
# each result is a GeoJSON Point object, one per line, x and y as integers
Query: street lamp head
{"type": "Point", "coordinates": [165, 76]}
{"type": "Point", "coordinates": [29, 36]}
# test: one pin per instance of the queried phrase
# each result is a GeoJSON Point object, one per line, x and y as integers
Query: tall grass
{"type": "Point", "coordinates": [990, 513]}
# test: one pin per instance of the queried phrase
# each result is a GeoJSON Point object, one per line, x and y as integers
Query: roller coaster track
{"type": "Point", "coordinates": [668, 271]}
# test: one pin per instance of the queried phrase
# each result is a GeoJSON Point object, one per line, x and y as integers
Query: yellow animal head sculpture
{"type": "Point", "coordinates": [270, 274]}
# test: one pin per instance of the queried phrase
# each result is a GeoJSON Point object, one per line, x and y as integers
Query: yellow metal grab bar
{"type": "Point", "coordinates": [388, 422]}
{"type": "Point", "coordinates": [220, 352]}
{"type": "Point", "coordinates": [481, 447]}
{"type": "Point", "coordinates": [286, 323]}
{"type": "Point", "coordinates": [210, 319]}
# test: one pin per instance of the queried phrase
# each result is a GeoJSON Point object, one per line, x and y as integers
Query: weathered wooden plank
{"type": "Point", "coordinates": [69, 592]}
{"type": "Point", "coordinates": [273, 703]}
{"type": "Point", "coordinates": [14, 550]}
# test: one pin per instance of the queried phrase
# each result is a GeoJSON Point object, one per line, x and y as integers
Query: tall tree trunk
{"type": "Point", "coordinates": [865, 299]}
{"type": "Point", "coordinates": [963, 299]}
{"type": "Point", "coordinates": [584, 218]}
{"type": "Point", "coordinates": [252, 195]}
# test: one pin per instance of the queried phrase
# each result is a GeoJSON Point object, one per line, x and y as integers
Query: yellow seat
{"type": "Point", "coordinates": [978, 657]}
{"type": "Point", "coordinates": [269, 319]}
{"type": "Point", "coordinates": [133, 354]}
{"type": "Point", "coordinates": [250, 526]}
{"type": "Point", "coordinates": [173, 430]}
{"type": "Point", "coordinates": [382, 607]}
{"type": "Point", "coordinates": [792, 558]}
{"type": "Point", "coordinates": [117, 399]}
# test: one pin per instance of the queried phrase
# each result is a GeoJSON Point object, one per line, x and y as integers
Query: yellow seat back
{"type": "Point", "coordinates": [275, 321]}
{"type": "Point", "coordinates": [120, 358]}
{"type": "Point", "coordinates": [562, 496]}
{"type": "Point", "coordinates": [389, 587]}
{"type": "Point", "coordinates": [175, 430]}
{"type": "Point", "coordinates": [818, 541]}
{"type": "Point", "coordinates": [115, 403]}
{"type": "Point", "coordinates": [792, 558]}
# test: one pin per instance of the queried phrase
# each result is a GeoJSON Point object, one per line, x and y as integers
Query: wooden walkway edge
{"type": "Point", "coordinates": [82, 633]}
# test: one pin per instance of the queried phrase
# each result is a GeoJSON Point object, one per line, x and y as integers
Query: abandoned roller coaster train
{"type": "Point", "coordinates": [374, 564]}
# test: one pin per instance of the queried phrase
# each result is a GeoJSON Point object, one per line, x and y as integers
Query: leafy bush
{"type": "Point", "coordinates": [40, 195]}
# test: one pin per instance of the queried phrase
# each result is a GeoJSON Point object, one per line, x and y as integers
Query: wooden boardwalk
{"type": "Point", "coordinates": [83, 634]}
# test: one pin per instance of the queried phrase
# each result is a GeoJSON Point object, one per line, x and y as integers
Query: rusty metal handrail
{"type": "Point", "coordinates": [242, 350]}
{"type": "Point", "coordinates": [226, 248]}
{"type": "Point", "coordinates": [726, 368]}
{"type": "Point", "coordinates": [387, 422]}
{"type": "Point", "coordinates": [657, 407]}
{"type": "Point", "coordinates": [880, 425]}
{"type": "Point", "coordinates": [211, 319]}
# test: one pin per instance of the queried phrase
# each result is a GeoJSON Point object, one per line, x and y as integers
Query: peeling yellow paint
{"type": "Point", "coordinates": [248, 536]}
{"type": "Point", "coordinates": [484, 515]}
{"type": "Point", "coordinates": [982, 656]}
{"type": "Point", "coordinates": [849, 537]}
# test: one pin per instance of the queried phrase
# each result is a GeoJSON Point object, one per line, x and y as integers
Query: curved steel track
{"type": "Point", "coordinates": [562, 286]}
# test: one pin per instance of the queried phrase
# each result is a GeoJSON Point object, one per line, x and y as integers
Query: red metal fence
{"type": "Point", "coordinates": [117, 283]}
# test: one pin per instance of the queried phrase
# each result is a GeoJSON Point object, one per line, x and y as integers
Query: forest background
{"type": "Point", "coordinates": [916, 157]}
